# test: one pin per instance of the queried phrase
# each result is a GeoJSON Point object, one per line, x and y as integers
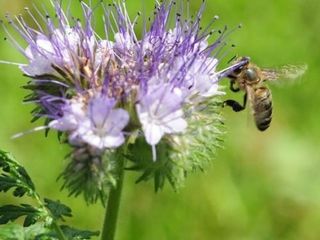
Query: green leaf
{"type": "Point", "coordinates": [7, 182]}
{"type": "Point", "coordinates": [90, 175]}
{"type": "Point", "coordinates": [46, 236]}
{"type": "Point", "coordinates": [12, 232]}
{"type": "Point", "coordinates": [16, 232]}
{"type": "Point", "coordinates": [69, 232]}
{"type": "Point", "coordinates": [14, 176]}
{"type": "Point", "coordinates": [140, 154]}
{"type": "Point", "coordinates": [19, 191]}
{"type": "Point", "coordinates": [35, 230]}
{"type": "Point", "coordinates": [57, 209]}
{"type": "Point", "coordinates": [73, 233]}
{"type": "Point", "coordinates": [12, 212]}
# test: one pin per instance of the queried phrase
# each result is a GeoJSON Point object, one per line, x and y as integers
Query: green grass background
{"type": "Point", "coordinates": [261, 186]}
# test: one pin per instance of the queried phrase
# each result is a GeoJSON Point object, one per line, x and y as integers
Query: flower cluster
{"type": "Point", "coordinates": [101, 92]}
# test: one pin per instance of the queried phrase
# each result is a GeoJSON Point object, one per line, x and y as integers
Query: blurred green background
{"type": "Point", "coordinates": [260, 186]}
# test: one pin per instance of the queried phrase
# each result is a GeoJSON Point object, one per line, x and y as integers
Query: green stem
{"type": "Point", "coordinates": [111, 215]}
{"type": "Point", "coordinates": [58, 231]}
{"type": "Point", "coordinates": [55, 225]}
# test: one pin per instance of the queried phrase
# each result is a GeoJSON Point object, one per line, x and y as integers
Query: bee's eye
{"type": "Point", "coordinates": [251, 74]}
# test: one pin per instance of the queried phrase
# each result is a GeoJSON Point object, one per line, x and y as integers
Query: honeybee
{"type": "Point", "coordinates": [250, 78]}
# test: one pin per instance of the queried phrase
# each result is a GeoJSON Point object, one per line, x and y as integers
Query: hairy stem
{"type": "Point", "coordinates": [55, 226]}
{"type": "Point", "coordinates": [58, 231]}
{"type": "Point", "coordinates": [111, 215]}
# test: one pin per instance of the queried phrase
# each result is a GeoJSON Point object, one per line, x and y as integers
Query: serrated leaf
{"type": "Point", "coordinates": [69, 232]}
{"type": "Point", "coordinates": [24, 176]}
{"type": "Point", "coordinates": [46, 236]}
{"type": "Point", "coordinates": [30, 220]}
{"type": "Point", "coordinates": [19, 192]}
{"type": "Point", "coordinates": [7, 182]}
{"type": "Point", "coordinates": [57, 209]}
{"type": "Point", "coordinates": [140, 154]}
{"type": "Point", "coordinates": [14, 176]}
{"type": "Point", "coordinates": [12, 212]}
{"type": "Point", "coordinates": [73, 233]}
{"type": "Point", "coordinates": [92, 176]}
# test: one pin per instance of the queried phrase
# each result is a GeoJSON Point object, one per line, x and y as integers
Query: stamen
{"type": "Point", "coordinates": [34, 19]}
{"type": "Point", "coordinates": [154, 152]}
{"type": "Point", "coordinates": [36, 129]}
{"type": "Point", "coordinates": [13, 63]}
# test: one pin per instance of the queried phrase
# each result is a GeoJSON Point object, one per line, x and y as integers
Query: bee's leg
{"type": "Point", "coordinates": [232, 88]}
{"type": "Point", "coordinates": [234, 104]}
{"type": "Point", "coordinates": [237, 107]}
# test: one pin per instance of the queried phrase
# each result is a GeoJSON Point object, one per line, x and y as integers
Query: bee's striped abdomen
{"type": "Point", "coordinates": [262, 108]}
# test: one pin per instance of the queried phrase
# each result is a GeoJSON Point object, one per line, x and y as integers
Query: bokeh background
{"type": "Point", "coordinates": [260, 186]}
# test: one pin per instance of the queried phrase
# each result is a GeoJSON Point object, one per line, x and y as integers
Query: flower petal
{"type": "Point", "coordinates": [113, 141]}
{"type": "Point", "coordinates": [153, 133]}
{"type": "Point", "coordinates": [174, 123]}
{"type": "Point", "coordinates": [38, 66]}
{"type": "Point", "coordinates": [117, 120]}
{"type": "Point", "coordinates": [99, 109]}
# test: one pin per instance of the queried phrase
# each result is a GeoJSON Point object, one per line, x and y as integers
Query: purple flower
{"type": "Point", "coordinates": [160, 112]}
{"type": "Point", "coordinates": [104, 125]}
{"type": "Point", "coordinates": [94, 89]}
{"type": "Point", "coordinates": [95, 123]}
{"type": "Point", "coordinates": [124, 94]}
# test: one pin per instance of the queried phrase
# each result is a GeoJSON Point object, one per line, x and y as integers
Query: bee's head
{"type": "Point", "coordinates": [244, 63]}
{"type": "Point", "coordinates": [251, 74]}
{"type": "Point", "coordinates": [245, 59]}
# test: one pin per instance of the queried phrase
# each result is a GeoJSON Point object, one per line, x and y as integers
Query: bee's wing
{"type": "Point", "coordinates": [286, 72]}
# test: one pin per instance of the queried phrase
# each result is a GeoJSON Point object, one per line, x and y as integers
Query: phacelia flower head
{"type": "Point", "coordinates": [156, 90]}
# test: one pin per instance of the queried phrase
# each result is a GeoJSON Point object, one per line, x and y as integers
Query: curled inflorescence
{"type": "Point", "coordinates": [153, 95]}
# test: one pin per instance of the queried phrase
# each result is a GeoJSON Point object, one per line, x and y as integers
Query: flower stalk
{"type": "Point", "coordinates": [113, 203]}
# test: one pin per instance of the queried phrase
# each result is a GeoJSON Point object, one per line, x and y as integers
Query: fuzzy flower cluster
{"type": "Point", "coordinates": [100, 91]}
